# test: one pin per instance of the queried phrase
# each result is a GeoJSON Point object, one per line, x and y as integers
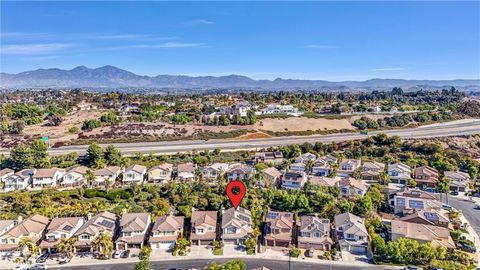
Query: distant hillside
{"type": "Point", "coordinates": [113, 77]}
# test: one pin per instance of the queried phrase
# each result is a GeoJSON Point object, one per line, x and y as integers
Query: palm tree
{"type": "Point", "coordinates": [104, 245]}
{"type": "Point", "coordinates": [67, 246]}
{"type": "Point", "coordinates": [28, 248]}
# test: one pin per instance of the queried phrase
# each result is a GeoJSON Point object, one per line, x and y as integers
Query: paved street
{"type": "Point", "coordinates": [468, 210]}
{"type": "Point", "coordinates": [251, 263]}
{"type": "Point", "coordinates": [454, 128]}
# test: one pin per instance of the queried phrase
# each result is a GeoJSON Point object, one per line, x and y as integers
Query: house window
{"type": "Point", "coordinates": [231, 230]}
{"type": "Point", "coordinates": [85, 237]}
{"type": "Point", "coordinates": [317, 235]}
{"type": "Point", "coordinates": [200, 230]}
{"type": "Point", "coordinates": [350, 236]}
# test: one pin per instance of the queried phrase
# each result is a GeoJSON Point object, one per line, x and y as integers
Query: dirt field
{"type": "Point", "coordinates": [302, 124]}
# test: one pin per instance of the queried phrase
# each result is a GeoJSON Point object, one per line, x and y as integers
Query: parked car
{"type": "Point", "coordinates": [309, 252]}
{"type": "Point", "coordinates": [125, 254]}
{"type": "Point", "coordinates": [22, 266]}
{"type": "Point", "coordinates": [64, 259]}
{"type": "Point", "coordinates": [412, 268]}
{"type": "Point", "coordinates": [467, 248]}
{"type": "Point", "coordinates": [39, 266]}
{"type": "Point", "coordinates": [454, 193]}
{"type": "Point", "coordinates": [43, 258]}
{"type": "Point", "coordinates": [477, 206]}
{"type": "Point", "coordinates": [116, 254]}
{"type": "Point", "coordinates": [447, 207]}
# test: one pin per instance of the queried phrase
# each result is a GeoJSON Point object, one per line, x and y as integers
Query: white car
{"type": "Point", "coordinates": [117, 254]}
{"type": "Point", "coordinates": [22, 266]}
{"type": "Point", "coordinates": [39, 266]}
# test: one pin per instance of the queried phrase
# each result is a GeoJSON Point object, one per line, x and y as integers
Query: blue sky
{"type": "Point", "coordinates": [264, 40]}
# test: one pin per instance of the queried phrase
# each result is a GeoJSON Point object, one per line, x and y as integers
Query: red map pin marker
{"type": "Point", "coordinates": [236, 199]}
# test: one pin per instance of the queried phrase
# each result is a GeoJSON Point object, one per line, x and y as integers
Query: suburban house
{"type": "Point", "coordinates": [165, 232]}
{"type": "Point", "coordinates": [161, 173]}
{"type": "Point", "coordinates": [323, 181]}
{"type": "Point", "coordinates": [213, 172]}
{"type": "Point", "coordinates": [31, 228]}
{"type": "Point", "coordinates": [399, 173]}
{"type": "Point", "coordinates": [104, 222]}
{"type": "Point", "coordinates": [293, 180]}
{"type": "Point", "coordinates": [432, 217]}
{"type": "Point", "coordinates": [298, 167]}
{"type": "Point", "coordinates": [60, 228]}
{"type": "Point", "coordinates": [134, 175]}
{"type": "Point", "coordinates": [275, 157]}
{"type": "Point", "coordinates": [371, 170]}
{"type": "Point", "coordinates": [321, 167]}
{"type": "Point", "coordinates": [4, 173]}
{"type": "Point", "coordinates": [408, 200]}
{"type": "Point", "coordinates": [106, 177]}
{"type": "Point", "coordinates": [18, 181]}
{"type": "Point", "coordinates": [458, 180]}
{"type": "Point", "coordinates": [314, 232]}
{"type": "Point", "coordinates": [186, 172]}
{"type": "Point", "coordinates": [271, 176]}
{"type": "Point", "coordinates": [426, 177]}
{"type": "Point", "coordinates": [236, 226]}
{"type": "Point", "coordinates": [437, 236]}
{"type": "Point", "coordinates": [6, 225]}
{"type": "Point", "coordinates": [204, 227]}
{"type": "Point", "coordinates": [351, 233]}
{"type": "Point", "coordinates": [44, 178]}
{"type": "Point", "coordinates": [305, 158]}
{"type": "Point", "coordinates": [348, 167]}
{"type": "Point", "coordinates": [239, 172]}
{"type": "Point", "coordinates": [133, 231]}
{"type": "Point", "coordinates": [281, 109]}
{"type": "Point", "coordinates": [75, 177]}
{"type": "Point", "coordinates": [352, 187]}
{"type": "Point", "coordinates": [279, 231]}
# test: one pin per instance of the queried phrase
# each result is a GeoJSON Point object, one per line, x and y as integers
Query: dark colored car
{"type": "Point", "coordinates": [454, 193]}
{"type": "Point", "coordinates": [43, 258]}
{"type": "Point", "coordinates": [125, 254]}
{"type": "Point", "coordinates": [467, 248]}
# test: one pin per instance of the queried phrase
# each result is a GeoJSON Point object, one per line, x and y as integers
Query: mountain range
{"type": "Point", "coordinates": [111, 77]}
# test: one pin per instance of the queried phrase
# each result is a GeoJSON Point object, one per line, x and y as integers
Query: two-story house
{"type": "Point", "coordinates": [44, 178]}
{"type": "Point", "coordinates": [294, 180]}
{"type": "Point", "coordinates": [426, 177]}
{"type": "Point", "coordinates": [106, 177]}
{"type": "Point", "coordinates": [186, 172]}
{"type": "Point", "coordinates": [323, 181]}
{"type": "Point", "coordinates": [458, 180]}
{"type": "Point", "coordinates": [161, 173]}
{"type": "Point", "coordinates": [321, 167]}
{"type": "Point", "coordinates": [437, 236]}
{"type": "Point", "coordinates": [134, 175]}
{"type": "Point", "coordinates": [407, 201]}
{"type": "Point", "coordinates": [348, 167]}
{"type": "Point", "coordinates": [104, 222]}
{"type": "Point", "coordinates": [203, 228]}
{"type": "Point", "coordinates": [6, 225]}
{"type": "Point", "coordinates": [430, 217]}
{"type": "Point", "coordinates": [213, 172]}
{"type": "Point", "coordinates": [133, 231]}
{"type": "Point", "coordinates": [279, 229]}
{"type": "Point", "coordinates": [352, 187]}
{"type": "Point", "coordinates": [371, 170]}
{"type": "Point", "coordinates": [351, 233]}
{"type": "Point", "coordinates": [4, 173]}
{"type": "Point", "coordinates": [18, 181]}
{"type": "Point", "coordinates": [236, 226]}
{"type": "Point", "coordinates": [239, 172]}
{"type": "Point", "coordinates": [75, 177]}
{"type": "Point", "coordinates": [298, 167]}
{"type": "Point", "coordinates": [305, 158]}
{"type": "Point", "coordinates": [314, 232]}
{"type": "Point", "coordinates": [275, 157]}
{"type": "Point", "coordinates": [271, 177]}
{"type": "Point", "coordinates": [399, 173]}
{"type": "Point", "coordinates": [60, 228]}
{"type": "Point", "coordinates": [31, 228]}
{"type": "Point", "coordinates": [165, 232]}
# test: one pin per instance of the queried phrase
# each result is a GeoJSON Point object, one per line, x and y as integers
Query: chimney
{"type": "Point", "coordinates": [19, 219]}
{"type": "Point", "coordinates": [89, 216]}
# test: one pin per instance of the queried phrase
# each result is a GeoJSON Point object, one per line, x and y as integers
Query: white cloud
{"type": "Point", "coordinates": [38, 48]}
{"type": "Point", "coordinates": [390, 69]}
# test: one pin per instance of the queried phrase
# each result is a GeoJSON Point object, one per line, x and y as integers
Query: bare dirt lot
{"type": "Point", "coordinates": [302, 124]}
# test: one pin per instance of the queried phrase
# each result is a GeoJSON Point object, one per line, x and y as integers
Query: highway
{"type": "Point", "coordinates": [454, 128]}
{"type": "Point", "coordinates": [251, 263]}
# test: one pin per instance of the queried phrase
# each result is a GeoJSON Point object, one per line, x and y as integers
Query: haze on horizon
{"type": "Point", "coordinates": [333, 41]}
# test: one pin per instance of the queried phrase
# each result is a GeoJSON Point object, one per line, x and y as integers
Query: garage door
{"type": "Point", "coordinates": [358, 250]}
